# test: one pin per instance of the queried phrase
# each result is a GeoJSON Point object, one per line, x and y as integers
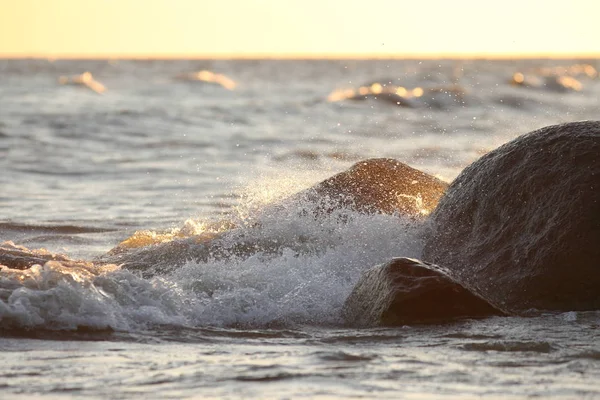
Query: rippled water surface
{"type": "Point", "coordinates": [550, 356]}
{"type": "Point", "coordinates": [80, 172]}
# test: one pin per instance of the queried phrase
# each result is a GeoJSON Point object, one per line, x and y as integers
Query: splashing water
{"type": "Point", "coordinates": [296, 270]}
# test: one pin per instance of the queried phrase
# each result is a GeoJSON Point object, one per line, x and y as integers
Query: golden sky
{"type": "Point", "coordinates": [284, 28]}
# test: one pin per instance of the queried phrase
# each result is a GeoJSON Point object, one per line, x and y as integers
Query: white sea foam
{"type": "Point", "coordinates": [306, 286]}
{"type": "Point", "coordinates": [53, 296]}
{"type": "Point", "coordinates": [304, 280]}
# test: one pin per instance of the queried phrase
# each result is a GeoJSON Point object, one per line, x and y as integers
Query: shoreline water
{"type": "Point", "coordinates": [82, 172]}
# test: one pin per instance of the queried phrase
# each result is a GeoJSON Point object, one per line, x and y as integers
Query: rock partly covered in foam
{"type": "Point", "coordinates": [407, 291]}
{"type": "Point", "coordinates": [521, 225]}
{"type": "Point", "coordinates": [373, 186]}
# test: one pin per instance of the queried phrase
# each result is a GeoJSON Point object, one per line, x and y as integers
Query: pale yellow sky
{"type": "Point", "coordinates": [203, 28]}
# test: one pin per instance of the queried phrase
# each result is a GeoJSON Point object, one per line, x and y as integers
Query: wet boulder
{"type": "Point", "coordinates": [378, 185]}
{"type": "Point", "coordinates": [407, 291]}
{"type": "Point", "coordinates": [370, 186]}
{"type": "Point", "coordinates": [521, 225]}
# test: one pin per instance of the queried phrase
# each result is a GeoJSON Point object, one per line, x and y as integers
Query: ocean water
{"type": "Point", "coordinates": [81, 172]}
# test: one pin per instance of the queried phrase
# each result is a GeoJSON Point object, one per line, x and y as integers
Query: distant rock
{"type": "Point", "coordinates": [562, 84]}
{"type": "Point", "coordinates": [439, 97]}
{"type": "Point", "coordinates": [86, 79]}
{"type": "Point", "coordinates": [576, 70]}
{"type": "Point", "coordinates": [208, 77]}
{"type": "Point", "coordinates": [407, 291]}
{"type": "Point", "coordinates": [555, 83]}
{"type": "Point", "coordinates": [521, 225]}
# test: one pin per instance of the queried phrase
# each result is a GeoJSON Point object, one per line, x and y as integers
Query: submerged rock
{"type": "Point", "coordinates": [521, 225]}
{"type": "Point", "coordinates": [21, 258]}
{"type": "Point", "coordinates": [407, 291]}
{"type": "Point", "coordinates": [163, 258]}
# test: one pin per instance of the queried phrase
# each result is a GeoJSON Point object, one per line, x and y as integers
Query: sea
{"type": "Point", "coordinates": [143, 152]}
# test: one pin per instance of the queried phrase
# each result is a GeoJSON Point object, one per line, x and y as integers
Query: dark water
{"type": "Point", "coordinates": [81, 172]}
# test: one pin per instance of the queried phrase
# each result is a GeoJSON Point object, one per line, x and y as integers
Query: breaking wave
{"type": "Point", "coordinates": [296, 270]}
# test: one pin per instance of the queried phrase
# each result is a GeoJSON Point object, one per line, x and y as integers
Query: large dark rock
{"type": "Point", "coordinates": [522, 224]}
{"type": "Point", "coordinates": [378, 185]}
{"type": "Point", "coordinates": [406, 291]}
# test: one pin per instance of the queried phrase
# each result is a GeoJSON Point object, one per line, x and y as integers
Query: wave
{"type": "Point", "coordinates": [296, 270]}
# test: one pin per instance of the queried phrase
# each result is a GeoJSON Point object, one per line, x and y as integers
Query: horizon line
{"type": "Point", "coordinates": [302, 56]}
